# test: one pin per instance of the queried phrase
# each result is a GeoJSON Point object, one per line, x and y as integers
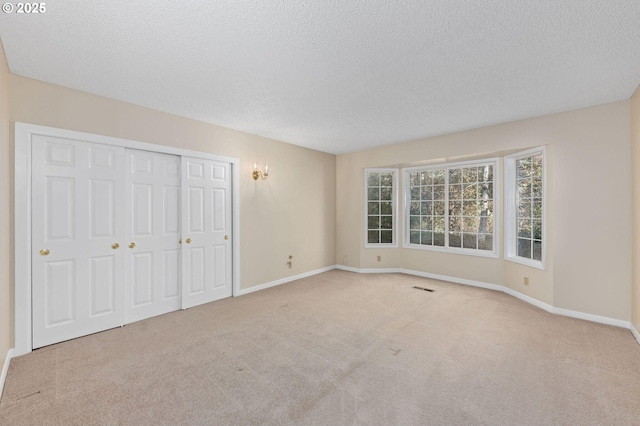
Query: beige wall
{"type": "Point", "coordinates": [635, 160]}
{"type": "Point", "coordinates": [588, 265]}
{"type": "Point", "coordinates": [290, 213]}
{"type": "Point", "coordinates": [6, 176]}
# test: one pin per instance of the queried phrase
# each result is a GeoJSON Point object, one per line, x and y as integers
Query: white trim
{"type": "Point", "coordinates": [496, 287]}
{"type": "Point", "coordinates": [528, 299]}
{"type": "Point", "coordinates": [23, 134]}
{"type": "Point", "coordinates": [5, 370]}
{"type": "Point", "coordinates": [592, 318]}
{"type": "Point", "coordinates": [635, 333]}
{"type": "Point", "coordinates": [284, 280]}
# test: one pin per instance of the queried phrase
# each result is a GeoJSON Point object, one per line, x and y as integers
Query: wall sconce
{"type": "Point", "coordinates": [257, 173]}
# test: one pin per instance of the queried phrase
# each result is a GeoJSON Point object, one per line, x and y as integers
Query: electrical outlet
{"type": "Point", "coordinates": [526, 280]}
{"type": "Point", "coordinates": [379, 258]}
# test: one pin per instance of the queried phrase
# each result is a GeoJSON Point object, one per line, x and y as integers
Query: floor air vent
{"type": "Point", "coordinates": [422, 288]}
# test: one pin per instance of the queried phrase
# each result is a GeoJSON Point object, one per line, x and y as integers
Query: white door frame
{"type": "Point", "coordinates": [22, 225]}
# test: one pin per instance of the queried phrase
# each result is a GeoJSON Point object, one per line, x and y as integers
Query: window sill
{"type": "Point", "coordinates": [527, 262]}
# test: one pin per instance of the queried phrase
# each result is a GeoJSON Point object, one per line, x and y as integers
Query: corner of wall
{"type": "Point", "coordinates": [634, 107]}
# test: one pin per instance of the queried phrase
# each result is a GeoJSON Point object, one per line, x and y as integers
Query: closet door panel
{"type": "Point", "coordinates": [206, 235]}
{"type": "Point", "coordinates": [77, 266]}
{"type": "Point", "coordinates": [153, 228]}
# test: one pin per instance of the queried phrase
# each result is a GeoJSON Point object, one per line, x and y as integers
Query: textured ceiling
{"type": "Point", "coordinates": [336, 75]}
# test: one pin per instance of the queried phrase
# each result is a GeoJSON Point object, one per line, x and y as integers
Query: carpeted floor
{"type": "Point", "coordinates": [337, 349]}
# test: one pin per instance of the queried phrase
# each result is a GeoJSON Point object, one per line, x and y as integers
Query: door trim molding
{"type": "Point", "coordinates": [22, 210]}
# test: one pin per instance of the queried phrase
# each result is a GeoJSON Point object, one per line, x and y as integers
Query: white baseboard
{"type": "Point", "coordinates": [5, 370]}
{"type": "Point", "coordinates": [452, 279]}
{"type": "Point", "coordinates": [592, 318]}
{"type": "Point", "coordinates": [370, 270]}
{"type": "Point", "coordinates": [507, 290]}
{"type": "Point", "coordinates": [635, 333]}
{"type": "Point", "coordinates": [284, 280]}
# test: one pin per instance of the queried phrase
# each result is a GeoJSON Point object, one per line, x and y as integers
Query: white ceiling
{"type": "Point", "coordinates": [336, 75]}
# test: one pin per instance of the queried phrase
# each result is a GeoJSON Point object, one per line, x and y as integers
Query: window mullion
{"type": "Point", "coordinates": [446, 208]}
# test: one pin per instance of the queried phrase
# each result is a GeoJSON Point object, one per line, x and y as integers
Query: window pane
{"type": "Point", "coordinates": [373, 179]}
{"type": "Point", "coordinates": [415, 208]}
{"type": "Point", "coordinates": [414, 222]}
{"type": "Point", "coordinates": [438, 239]}
{"type": "Point", "coordinates": [523, 168]}
{"type": "Point", "coordinates": [438, 224]}
{"type": "Point", "coordinates": [426, 238]}
{"type": "Point", "coordinates": [373, 222]}
{"type": "Point", "coordinates": [485, 242]}
{"type": "Point", "coordinates": [414, 237]}
{"type": "Point", "coordinates": [470, 208]}
{"type": "Point", "coordinates": [524, 188]}
{"type": "Point", "coordinates": [386, 222]}
{"type": "Point", "coordinates": [385, 194]}
{"type": "Point", "coordinates": [455, 224]}
{"type": "Point", "coordinates": [455, 239]}
{"type": "Point", "coordinates": [426, 193]}
{"type": "Point", "coordinates": [426, 207]}
{"type": "Point", "coordinates": [455, 208]}
{"type": "Point", "coordinates": [386, 237]}
{"type": "Point", "coordinates": [438, 207]}
{"type": "Point", "coordinates": [469, 241]}
{"type": "Point", "coordinates": [537, 229]}
{"type": "Point", "coordinates": [470, 174]}
{"type": "Point", "coordinates": [373, 237]}
{"type": "Point", "coordinates": [438, 192]}
{"type": "Point", "coordinates": [537, 250]}
{"type": "Point", "coordinates": [415, 193]}
{"type": "Point", "coordinates": [524, 228]}
{"type": "Point", "coordinates": [438, 177]}
{"type": "Point", "coordinates": [427, 223]}
{"type": "Point", "coordinates": [470, 191]}
{"type": "Point", "coordinates": [386, 208]}
{"type": "Point", "coordinates": [386, 179]}
{"type": "Point", "coordinates": [455, 176]}
{"type": "Point", "coordinates": [373, 194]}
{"type": "Point", "coordinates": [374, 208]}
{"type": "Point", "coordinates": [455, 192]}
{"type": "Point", "coordinates": [537, 208]}
{"type": "Point", "coordinates": [524, 248]}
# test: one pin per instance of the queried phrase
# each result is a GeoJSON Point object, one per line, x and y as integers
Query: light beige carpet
{"type": "Point", "coordinates": [337, 349]}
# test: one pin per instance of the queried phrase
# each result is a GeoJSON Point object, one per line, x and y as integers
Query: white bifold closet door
{"type": "Point", "coordinates": [78, 274]}
{"type": "Point", "coordinates": [206, 230]}
{"type": "Point", "coordinates": [153, 234]}
{"type": "Point", "coordinates": [120, 235]}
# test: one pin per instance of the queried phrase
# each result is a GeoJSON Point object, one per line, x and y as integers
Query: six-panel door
{"type": "Point", "coordinates": [206, 230]}
{"type": "Point", "coordinates": [77, 229]}
{"type": "Point", "coordinates": [153, 234]}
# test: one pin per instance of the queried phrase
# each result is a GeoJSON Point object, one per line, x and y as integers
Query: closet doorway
{"type": "Point", "coordinates": [111, 231]}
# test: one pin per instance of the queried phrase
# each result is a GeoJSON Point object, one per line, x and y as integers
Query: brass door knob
{"type": "Point", "coordinates": [132, 245]}
{"type": "Point", "coordinates": [115, 246]}
{"type": "Point", "coordinates": [44, 252]}
{"type": "Point", "coordinates": [180, 241]}
{"type": "Point", "coordinates": [188, 240]}
{"type": "Point", "coordinates": [226, 237]}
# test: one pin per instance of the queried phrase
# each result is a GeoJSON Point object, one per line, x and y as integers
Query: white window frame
{"type": "Point", "coordinates": [510, 231]}
{"type": "Point", "coordinates": [394, 200]}
{"type": "Point", "coordinates": [406, 242]}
